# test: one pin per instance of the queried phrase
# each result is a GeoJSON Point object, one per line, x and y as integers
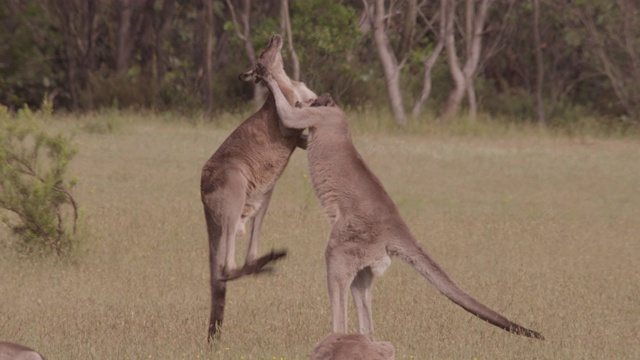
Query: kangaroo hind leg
{"type": "Point", "coordinates": [361, 292]}
{"type": "Point", "coordinates": [340, 274]}
{"type": "Point", "coordinates": [218, 287]}
{"type": "Point", "coordinates": [253, 264]}
{"type": "Point", "coordinates": [256, 229]}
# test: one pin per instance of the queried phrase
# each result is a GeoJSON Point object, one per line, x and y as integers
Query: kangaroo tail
{"type": "Point", "coordinates": [412, 253]}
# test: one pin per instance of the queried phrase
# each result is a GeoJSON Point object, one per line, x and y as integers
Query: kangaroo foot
{"type": "Point", "coordinates": [256, 267]}
{"type": "Point", "coordinates": [214, 330]}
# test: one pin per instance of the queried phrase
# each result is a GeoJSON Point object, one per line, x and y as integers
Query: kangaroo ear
{"type": "Point", "coordinates": [248, 75]}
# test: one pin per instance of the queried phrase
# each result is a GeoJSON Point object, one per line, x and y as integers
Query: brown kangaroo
{"type": "Point", "coordinates": [238, 180]}
{"type": "Point", "coordinates": [12, 351]}
{"type": "Point", "coordinates": [367, 228]}
{"type": "Point", "coordinates": [352, 347]}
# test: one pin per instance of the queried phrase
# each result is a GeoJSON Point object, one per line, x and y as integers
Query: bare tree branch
{"type": "Point", "coordinates": [539, 64]}
{"type": "Point", "coordinates": [286, 22]}
{"type": "Point", "coordinates": [390, 65]}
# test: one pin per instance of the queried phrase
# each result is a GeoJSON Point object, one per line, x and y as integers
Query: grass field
{"type": "Point", "coordinates": [541, 228]}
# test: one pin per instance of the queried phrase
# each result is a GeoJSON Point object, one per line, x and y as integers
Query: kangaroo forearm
{"type": "Point", "coordinates": [296, 118]}
{"type": "Point", "coordinates": [285, 111]}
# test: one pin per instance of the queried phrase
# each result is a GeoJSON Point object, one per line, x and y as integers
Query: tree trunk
{"type": "Point", "coordinates": [616, 47]}
{"type": "Point", "coordinates": [76, 22]}
{"type": "Point", "coordinates": [456, 95]}
{"type": "Point", "coordinates": [286, 29]}
{"type": "Point", "coordinates": [429, 63]}
{"type": "Point", "coordinates": [243, 30]}
{"type": "Point", "coordinates": [146, 45]}
{"type": "Point", "coordinates": [408, 26]}
{"type": "Point", "coordinates": [539, 64]}
{"type": "Point", "coordinates": [203, 54]}
{"type": "Point", "coordinates": [464, 78]}
{"type": "Point", "coordinates": [161, 30]}
{"type": "Point", "coordinates": [123, 46]}
{"type": "Point", "coordinates": [389, 65]}
{"type": "Point", "coordinates": [470, 39]}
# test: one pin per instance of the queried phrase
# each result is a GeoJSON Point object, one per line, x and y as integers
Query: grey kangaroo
{"type": "Point", "coordinates": [238, 180]}
{"type": "Point", "coordinates": [352, 347]}
{"type": "Point", "coordinates": [13, 351]}
{"type": "Point", "coordinates": [367, 228]}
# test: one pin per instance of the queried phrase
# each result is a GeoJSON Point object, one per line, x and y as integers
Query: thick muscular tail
{"type": "Point", "coordinates": [411, 253]}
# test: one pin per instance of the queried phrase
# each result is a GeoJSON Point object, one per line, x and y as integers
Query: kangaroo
{"type": "Point", "coordinates": [11, 351]}
{"type": "Point", "coordinates": [352, 347]}
{"type": "Point", "coordinates": [367, 229]}
{"type": "Point", "coordinates": [239, 178]}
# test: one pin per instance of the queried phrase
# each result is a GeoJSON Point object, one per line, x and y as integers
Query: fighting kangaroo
{"type": "Point", "coordinates": [12, 351]}
{"type": "Point", "coordinates": [238, 180]}
{"type": "Point", "coordinates": [367, 228]}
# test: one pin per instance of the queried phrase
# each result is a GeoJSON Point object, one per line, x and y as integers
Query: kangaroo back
{"type": "Point", "coordinates": [409, 251]}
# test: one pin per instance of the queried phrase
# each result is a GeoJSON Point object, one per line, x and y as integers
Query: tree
{"type": "Point", "coordinates": [331, 51]}
{"type": "Point", "coordinates": [539, 64]}
{"type": "Point", "coordinates": [203, 53]}
{"type": "Point", "coordinates": [185, 55]}
{"type": "Point", "coordinates": [428, 63]}
{"type": "Point", "coordinates": [409, 35]}
{"type": "Point", "coordinates": [285, 29]}
{"type": "Point", "coordinates": [612, 39]}
{"type": "Point", "coordinates": [242, 28]}
{"type": "Point", "coordinates": [390, 65]}
{"type": "Point", "coordinates": [463, 77]}
{"type": "Point", "coordinates": [124, 40]}
{"type": "Point", "coordinates": [27, 47]}
{"type": "Point", "coordinates": [76, 21]}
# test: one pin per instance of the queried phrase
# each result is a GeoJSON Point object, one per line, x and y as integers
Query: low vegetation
{"type": "Point", "coordinates": [540, 226]}
{"type": "Point", "coordinates": [36, 202]}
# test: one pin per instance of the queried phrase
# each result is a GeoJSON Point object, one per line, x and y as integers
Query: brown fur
{"type": "Point", "coordinates": [238, 180]}
{"type": "Point", "coordinates": [367, 228]}
{"type": "Point", "coordinates": [12, 351]}
{"type": "Point", "coordinates": [352, 347]}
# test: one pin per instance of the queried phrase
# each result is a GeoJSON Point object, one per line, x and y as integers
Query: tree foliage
{"type": "Point", "coordinates": [186, 55]}
{"type": "Point", "coordinates": [35, 193]}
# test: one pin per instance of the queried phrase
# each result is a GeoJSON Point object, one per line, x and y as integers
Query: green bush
{"type": "Point", "coordinates": [36, 203]}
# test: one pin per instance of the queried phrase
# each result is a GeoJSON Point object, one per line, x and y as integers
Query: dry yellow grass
{"type": "Point", "coordinates": [544, 230]}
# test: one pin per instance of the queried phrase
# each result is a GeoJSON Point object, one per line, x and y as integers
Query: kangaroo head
{"type": "Point", "coordinates": [270, 61]}
{"type": "Point", "coordinates": [270, 58]}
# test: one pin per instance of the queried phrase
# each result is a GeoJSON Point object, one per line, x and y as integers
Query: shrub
{"type": "Point", "coordinates": [35, 194]}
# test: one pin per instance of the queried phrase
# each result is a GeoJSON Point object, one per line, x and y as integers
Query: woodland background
{"type": "Point", "coordinates": [546, 61]}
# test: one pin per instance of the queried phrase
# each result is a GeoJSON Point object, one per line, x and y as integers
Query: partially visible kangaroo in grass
{"type": "Point", "coordinates": [238, 180]}
{"type": "Point", "coordinates": [367, 228]}
{"type": "Point", "coordinates": [11, 351]}
{"type": "Point", "coordinates": [352, 347]}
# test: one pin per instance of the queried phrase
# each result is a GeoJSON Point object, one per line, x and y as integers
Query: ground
{"type": "Point", "coordinates": [541, 228]}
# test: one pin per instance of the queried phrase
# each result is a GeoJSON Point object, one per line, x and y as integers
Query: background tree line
{"type": "Point", "coordinates": [530, 60]}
